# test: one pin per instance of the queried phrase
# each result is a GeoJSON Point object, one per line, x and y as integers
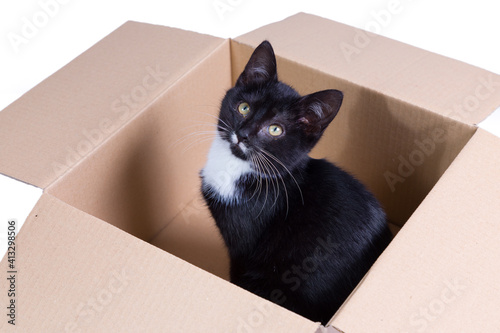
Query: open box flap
{"type": "Point", "coordinates": [441, 272]}
{"type": "Point", "coordinates": [60, 121]}
{"type": "Point", "coordinates": [78, 273]}
{"type": "Point", "coordinates": [430, 81]}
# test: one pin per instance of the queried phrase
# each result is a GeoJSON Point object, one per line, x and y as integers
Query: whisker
{"type": "Point", "coordinates": [275, 178]}
{"type": "Point", "coordinates": [291, 175]}
{"type": "Point", "coordinates": [225, 127]}
{"type": "Point", "coordinates": [262, 168]}
{"type": "Point", "coordinates": [275, 183]}
{"type": "Point", "coordinates": [188, 136]}
{"type": "Point", "coordinates": [258, 188]}
{"type": "Point", "coordinates": [216, 117]}
{"type": "Point", "coordinates": [267, 184]}
{"type": "Point", "coordinates": [206, 137]}
{"type": "Point", "coordinates": [209, 127]}
{"type": "Point", "coordinates": [207, 124]}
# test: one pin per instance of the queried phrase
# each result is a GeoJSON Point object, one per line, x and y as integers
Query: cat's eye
{"type": "Point", "coordinates": [275, 130]}
{"type": "Point", "coordinates": [244, 108]}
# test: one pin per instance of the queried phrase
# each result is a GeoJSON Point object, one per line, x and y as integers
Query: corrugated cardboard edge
{"type": "Point", "coordinates": [430, 81]}
{"type": "Point", "coordinates": [78, 272]}
{"type": "Point", "coordinates": [417, 288]}
{"type": "Point", "coordinates": [328, 329]}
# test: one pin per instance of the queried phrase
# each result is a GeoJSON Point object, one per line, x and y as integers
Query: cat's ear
{"type": "Point", "coordinates": [261, 67]}
{"type": "Point", "coordinates": [317, 110]}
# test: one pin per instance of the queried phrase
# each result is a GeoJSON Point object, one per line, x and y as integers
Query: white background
{"type": "Point", "coordinates": [38, 37]}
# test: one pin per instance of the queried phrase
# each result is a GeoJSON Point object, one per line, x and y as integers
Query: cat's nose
{"type": "Point", "coordinates": [242, 135]}
{"type": "Point", "coordinates": [241, 138]}
{"type": "Point", "coordinates": [236, 138]}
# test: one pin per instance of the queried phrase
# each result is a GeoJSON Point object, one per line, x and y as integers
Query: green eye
{"type": "Point", "coordinates": [244, 108]}
{"type": "Point", "coordinates": [275, 130]}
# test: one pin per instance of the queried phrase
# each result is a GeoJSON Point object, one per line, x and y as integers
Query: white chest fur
{"type": "Point", "coordinates": [223, 169]}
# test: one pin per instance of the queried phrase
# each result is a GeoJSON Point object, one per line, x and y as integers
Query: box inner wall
{"type": "Point", "coordinates": [146, 174]}
{"type": "Point", "coordinates": [398, 150]}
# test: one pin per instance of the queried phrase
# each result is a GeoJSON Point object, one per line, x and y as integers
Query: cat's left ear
{"type": "Point", "coordinates": [317, 110]}
{"type": "Point", "coordinates": [261, 67]}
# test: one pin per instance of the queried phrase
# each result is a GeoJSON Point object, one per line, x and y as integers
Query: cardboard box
{"type": "Point", "coordinates": [121, 241]}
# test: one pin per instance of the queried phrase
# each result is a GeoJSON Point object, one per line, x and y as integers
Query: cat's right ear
{"type": "Point", "coordinates": [261, 68]}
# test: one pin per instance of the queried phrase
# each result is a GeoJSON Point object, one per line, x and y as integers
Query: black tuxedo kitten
{"type": "Point", "coordinates": [300, 231]}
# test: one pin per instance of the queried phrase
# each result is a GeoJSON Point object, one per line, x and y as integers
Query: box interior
{"type": "Point", "coordinates": [145, 178]}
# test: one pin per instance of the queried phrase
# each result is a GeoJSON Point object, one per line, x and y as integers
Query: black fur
{"type": "Point", "coordinates": [303, 232]}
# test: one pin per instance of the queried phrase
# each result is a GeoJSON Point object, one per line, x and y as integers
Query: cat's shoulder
{"type": "Point", "coordinates": [325, 174]}
{"type": "Point", "coordinates": [324, 168]}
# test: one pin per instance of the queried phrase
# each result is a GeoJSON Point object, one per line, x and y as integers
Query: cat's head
{"type": "Point", "coordinates": [263, 116]}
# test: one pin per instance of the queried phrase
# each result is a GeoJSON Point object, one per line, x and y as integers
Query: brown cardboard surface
{"type": "Point", "coordinates": [77, 273]}
{"type": "Point", "coordinates": [55, 125]}
{"type": "Point", "coordinates": [193, 236]}
{"type": "Point", "coordinates": [440, 274]}
{"type": "Point", "coordinates": [103, 161]}
{"type": "Point", "coordinates": [427, 80]}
